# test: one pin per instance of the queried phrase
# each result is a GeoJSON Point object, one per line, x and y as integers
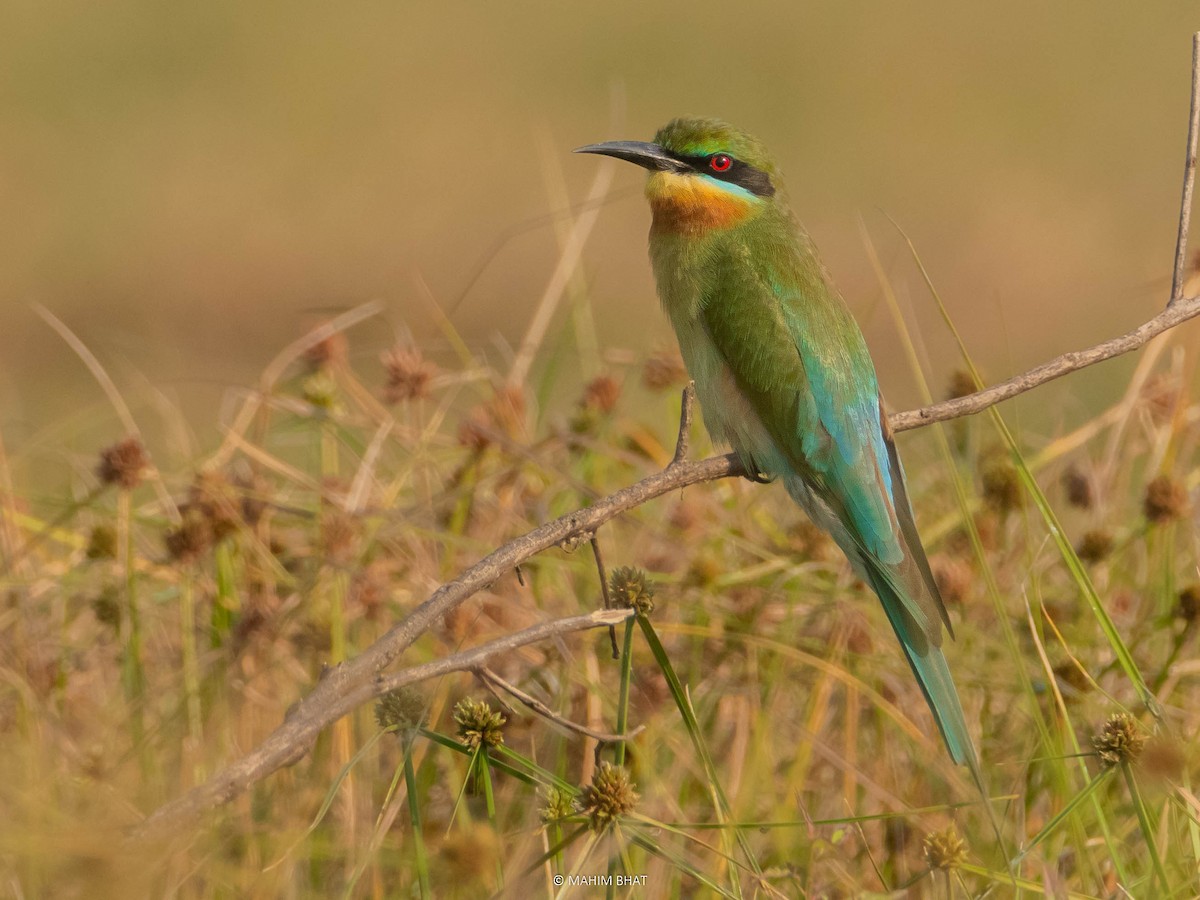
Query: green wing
{"type": "Point", "coordinates": [800, 361]}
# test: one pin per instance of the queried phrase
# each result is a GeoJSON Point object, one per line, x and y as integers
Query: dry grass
{"type": "Point", "coordinates": [785, 749]}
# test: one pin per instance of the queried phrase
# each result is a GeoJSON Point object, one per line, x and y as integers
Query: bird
{"type": "Point", "coordinates": [783, 374]}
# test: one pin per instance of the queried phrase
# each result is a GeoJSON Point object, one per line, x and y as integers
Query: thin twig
{"type": "Point", "coordinates": [1189, 178]}
{"type": "Point", "coordinates": [687, 404]}
{"type": "Point", "coordinates": [604, 594]}
{"type": "Point", "coordinates": [1061, 365]}
{"type": "Point", "coordinates": [337, 696]}
{"type": "Point", "coordinates": [547, 713]}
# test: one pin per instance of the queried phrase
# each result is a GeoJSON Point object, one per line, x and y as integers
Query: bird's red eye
{"type": "Point", "coordinates": [720, 163]}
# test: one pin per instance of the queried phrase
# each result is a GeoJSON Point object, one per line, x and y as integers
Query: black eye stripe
{"type": "Point", "coordinates": [756, 181]}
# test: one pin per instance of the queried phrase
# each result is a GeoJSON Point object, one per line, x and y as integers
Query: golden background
{"type": "Point", "coordinates": [191, 186]}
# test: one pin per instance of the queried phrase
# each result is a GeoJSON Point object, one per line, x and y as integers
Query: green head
{"type": "Point", "coordinates": [704, 174]}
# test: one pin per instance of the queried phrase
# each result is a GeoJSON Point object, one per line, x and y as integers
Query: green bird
{"type": "Point", "coordinates": [783, 374]}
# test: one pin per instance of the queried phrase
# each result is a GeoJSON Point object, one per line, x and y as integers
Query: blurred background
{"type": "Point", "coordinates": [190, 186]}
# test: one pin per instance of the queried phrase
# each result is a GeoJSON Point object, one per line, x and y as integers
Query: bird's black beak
{"type": "Point", "coordinates": [646, 155]}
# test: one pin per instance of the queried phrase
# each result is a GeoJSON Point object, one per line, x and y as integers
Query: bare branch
{"type": "Point", "coordinates": [358, 680]}
{"type": "Point", "coordinates": [546, 712]}
{"type": "Point", "coordinates": [1056, 368]}
{"type": "Point", "coordinates": [604, 594]}
{"type": "Point", "coordinates": [334, 697]}
{"type": "Point", "coordinates": [1189, 178]}
{"type": "Point", "coordinates": [687, 406]}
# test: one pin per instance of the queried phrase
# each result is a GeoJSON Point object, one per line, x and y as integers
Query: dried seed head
{"type": "Point", "coordinates": [1160, 394]}
{"type": "Point", "coordinates": [1079, 489]}
{"type": "Point", "coordinates": [327, 353]}
{"type": "Point", "coordinates": [664, 370]}
{"type": "Point", "coordinates": [369, 589]}
{"type": "Point", "coordinates": [631, 588]}
{"type": "Point", "coordinates": [945, 849]}
{"type": "Point", "coordinates": [1095, 546]}
{"type": "Point", "coordinates": [1188, 607]}
{"type": "Point", "coordinates": [191, 538]}
{"type": "Point", "coordinates": [610, 796]}
{"type": "Point", "coordinates": [602, 394]}
{"type": "Point", "coordinates": [340, 533]}
{"type": "Point", "coordinates": [1120, 740]}
{"type": "Point", "coordinates": [953, 577]}
{"type": "Point", "coordinates": [962, 384]}
{"type": "Point", "coordinates": [102, 543]}
{"type": "Point", "coordinates": [479, 724]}
{"type": "Point", "coordinates": [107, 607]}
{"type": "Point", "coordinates": [402, 710]}
{"type": "Point", "coordinates": [255, 498]}
{"type": "Point", "coordinates": [1001, 481]}
{"type": "Point", "coordinates": [473, 429]}
{"type": "Point", "coordinates": [560, 804]}
{"type": "Point", "coordinates": [122, 464]}
{"type": "Point", "coordinates": [409, 374]}
{"type": "Point", "coordinates": [1166, 500]}
{"type": "Point", "coordinates": [704, 570]}
{"type": "Point", "coordinates": [215, 498]}
{"type": "Point", "coordinates": [504, 412]}
{"type": "Point", "coordinates": [507, 409]}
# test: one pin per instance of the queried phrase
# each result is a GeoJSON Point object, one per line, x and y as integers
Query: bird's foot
{"type": "Point", "coordinates": [758, 477]}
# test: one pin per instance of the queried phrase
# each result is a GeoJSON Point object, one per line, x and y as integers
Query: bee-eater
{"type": "Point", "coordinates": [783, 374]}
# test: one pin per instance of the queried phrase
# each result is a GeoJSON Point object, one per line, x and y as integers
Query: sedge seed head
{"type": "Point", "coordinates": [945, 849]}
{"type": "Point", "coordinates": [106, 606]}
{"type": "Point", "coordinates": [601, 394]}
{"type": "Point", "coordinates": [560, 804]}
{"type": "Point", "coordinates": [1188, 607]}
{"type": "Point", "coordinates": [327, 353]}
{"type": "Point", "coordinates": [215, 498]}
{"type": "Point", "coordinates": [409, 374]}
{"type": "Point", "coordinates": [953, 577]}
{"type": "Point", "coordinates": [402, 710]}
{"type": "Point", "coordinates": [1095, 546]}
{"type": "Point", "coordinates": [188, 541]}
{"type": "Point", "coordinates": [664, 370]}
{"type": "Point", "coordinates": [961, 384]}
{"type": "Point", "coordinates": [122, 464]}
{"type": "Point", "coordinates": [1078, 487]}
{"type": "Point", "coordinates": [321, 390]}
{"type": "Point", "coordinates": [631, 588]}
{"type": "Point", "coordinates": [1166, 500]}
{"type": "Point", "coordinates": [478, 724]}
{"type": "Point", "coordinates": [610, 796]}
{"type": "Point", "coordinates": [1000, 480]}
{"type": "Point", "coordinates": [1120, 740]}
{"type": "Point", "coordinates": [102, 543]}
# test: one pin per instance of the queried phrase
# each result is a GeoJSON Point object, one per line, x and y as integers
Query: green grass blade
{"type": "Point", "coordinates": [684, 704]}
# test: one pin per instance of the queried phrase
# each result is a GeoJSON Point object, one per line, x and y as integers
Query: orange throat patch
{"type": "Point", "coordinates": [689, 204]}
